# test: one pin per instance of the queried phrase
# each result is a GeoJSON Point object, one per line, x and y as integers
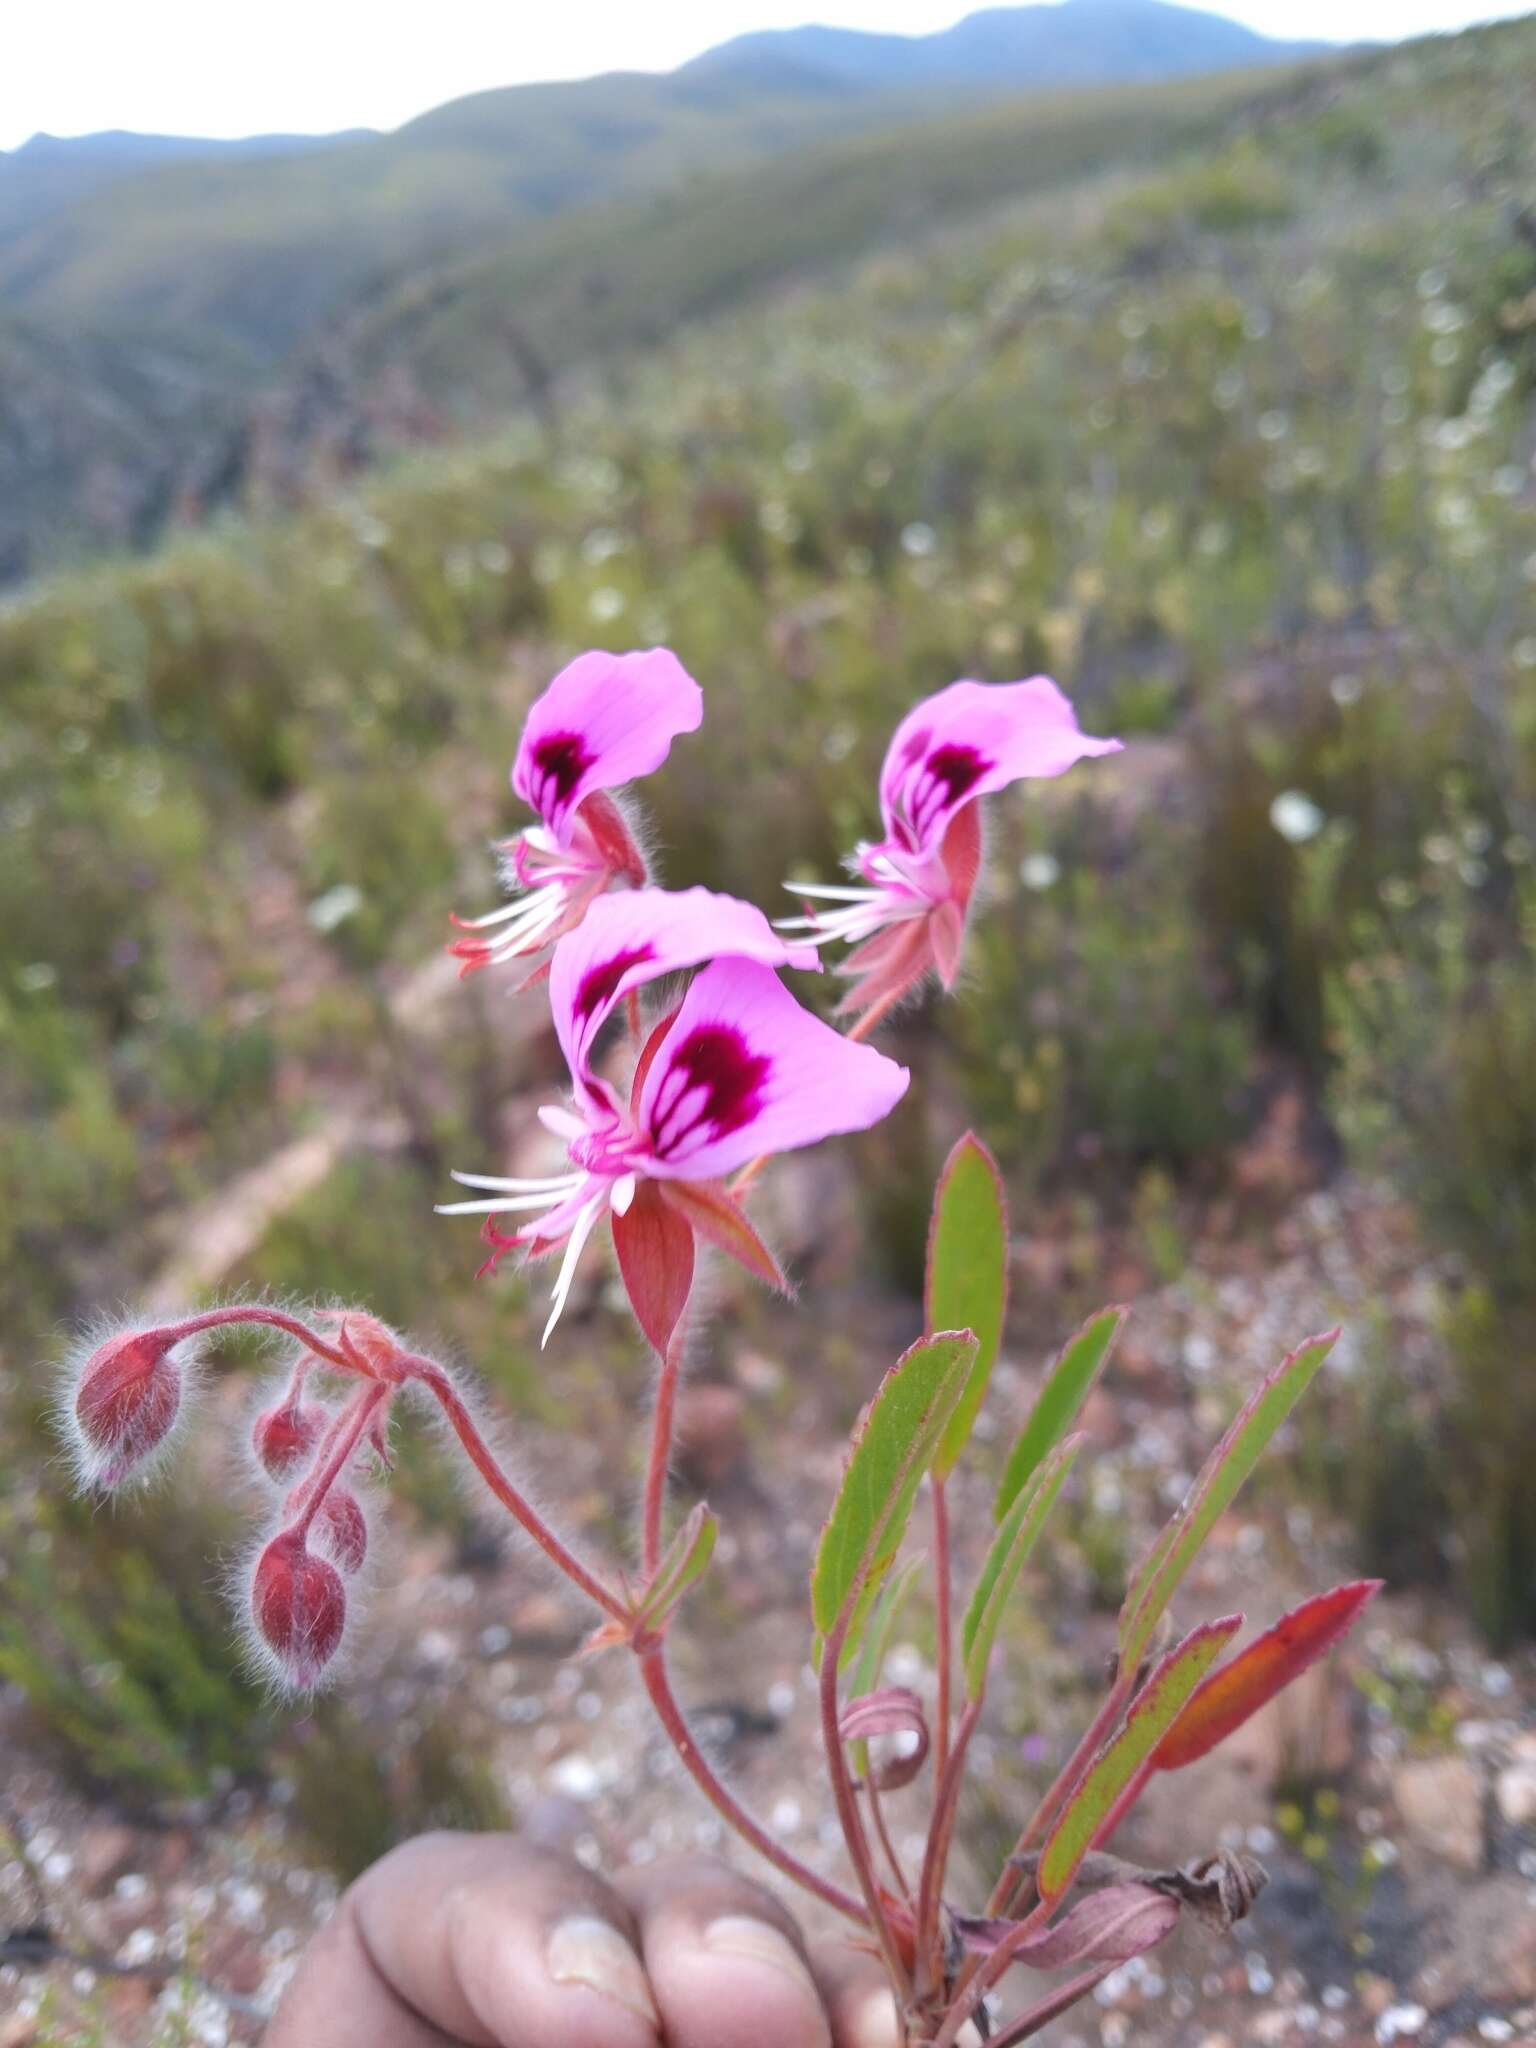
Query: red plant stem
{"type": "Point", "coordinates": [1050, 2007]}
{"type": "Point", "coordinates": [883, 1835]}
{"type": "Point", "coordinates": [944, 1626]}
{"type": "Point", "coordinates": [992, 1969]}
{"type": "Point", "coordinates": [437, 1383]}
{"type": "Point", "coordinates": [658, 1685]}
{"type": "Point", "coordinates": [847, 1804]}
{"type": "Point", "coordinates": [655, 1500]}
{"type": "Point", "coordinates": [273, 1318]}
{"type": "Point", "coordinates": [941, 1834]}
{"type": "Point", "coordinates": [345, 1435]}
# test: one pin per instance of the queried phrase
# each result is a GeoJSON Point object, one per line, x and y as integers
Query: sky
{"type": "Point", "coordinates": [188, 67]}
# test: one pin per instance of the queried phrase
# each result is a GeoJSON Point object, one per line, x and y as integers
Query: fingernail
{"type": "Point", "coordinates": [874, 2024]}
{"type": "Point", "coordinates": [755, 1941]}
{"type": "Point", "coordinates": [590, 1951]}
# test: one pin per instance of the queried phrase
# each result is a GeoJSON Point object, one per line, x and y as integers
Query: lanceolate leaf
{"type": "Point", "coordinates": [655, 1249]}
{"type": "Point", "coordinates": [1153, 1712]}
{"type": "Point", "coordinates": [1253, 1677]}
{"type": "Point", "coordinates": [875, 1642]}
{"type": "Point", "coordinates": [1060, 1401]}
{"type": "Point", "coordinates": [968, 1274]}
{"type": "Point", "coordinates": [1006, 1559]}
{"type": "Point", "coordinates": [892, 1449]}
{"type": "Point", "coordinates": [685, 1560]}
{"type": "Point", "coordinates": [1157, 1577]}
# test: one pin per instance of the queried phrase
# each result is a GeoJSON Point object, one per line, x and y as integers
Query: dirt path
{"type": "Point", "coordinates": [214, 1236]}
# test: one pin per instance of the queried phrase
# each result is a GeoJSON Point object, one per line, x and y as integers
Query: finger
{"type": "Point", "coordinates": [481, 1940]}
{"type": "Point", "coordinates": [856, 1992]}
{"type": "Point", "coordinates": [858, 1997]}
{"type": "Point", "coordinates": [726, 1962]}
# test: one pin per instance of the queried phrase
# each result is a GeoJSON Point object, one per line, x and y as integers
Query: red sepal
{"type": "Point", "coordinates": [612, 837]}
{"type": "Point", "coordinates": [714, 1213]}
{"type": "Point", "coordinates": [655, 1248]}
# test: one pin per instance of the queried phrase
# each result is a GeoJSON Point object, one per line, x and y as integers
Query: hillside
{"type": "Point", "coordinates": [53, 171]}
{"type": "Point", "coordinates": [1079, 42]}
{"type": "Point", "coordinates": [257, 244]}
{"type": "Point", "coordinates": [227, 313]}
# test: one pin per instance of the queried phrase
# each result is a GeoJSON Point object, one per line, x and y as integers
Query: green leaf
{"type": "Point", "coordinates": [892, 1448]}
{"type": "Point", "coordinates": [1157, 1577]}
{"type": "Point", "coordinates": [685, 1559]}
{"type": "Point", "coordinates": [875, 1644]}
{"type": "Point", "coordinates": [967, 1287]}
{"type": "Point", "coordinates": [1060, 1401]}
{"type": "Point", "coordinates": [1006, 1559]}
{"type": "Point", "coordinates": [1153, 1711]}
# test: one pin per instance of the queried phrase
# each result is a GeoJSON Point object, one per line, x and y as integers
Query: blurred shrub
{"type": "Point", "coordinates": [1094, 1025]}
{"type": "Point", "coordinates": [359, 1793]}
{"type": "Point", "coordinates": [1437, 1082]}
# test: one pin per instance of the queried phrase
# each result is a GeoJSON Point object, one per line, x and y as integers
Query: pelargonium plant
{"type": "Point", "coordinates": [692, 1066]}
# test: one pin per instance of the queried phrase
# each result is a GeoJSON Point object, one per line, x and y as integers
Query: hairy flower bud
{"type": "Point", "coordinates": [283, 1437]}
{"type": "Point", "coordinates": [339, 1530]}
{"type": "Point", "coordinates": [125, 1402]}
{"type": "Point", "coordinates": [299, 1606]}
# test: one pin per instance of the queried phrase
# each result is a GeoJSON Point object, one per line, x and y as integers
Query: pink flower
{"type": "Point", "coordinates": [908, 914]}
{"type": "Point", "coordinates": [603, 721]}
{"type": "Point", "coordinates": [736, 1070]}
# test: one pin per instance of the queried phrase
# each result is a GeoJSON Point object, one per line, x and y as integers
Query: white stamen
{"type": "Point", "coordinates": [506, 1205]}
{"type": "Point", "coordinates": [622, 1193]}
{"type": "Point", "coordinates": [563, 1122]}
{"type": "Point", "coordinates": [518, 1187]}
{"type": "Point", "coordinates": [581, 1230]}
{"type": "Point", "coordinates": [837, 890]}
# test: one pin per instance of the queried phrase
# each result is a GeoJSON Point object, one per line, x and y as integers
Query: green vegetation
{"type": "Point", "coordinates": [1239, 447]}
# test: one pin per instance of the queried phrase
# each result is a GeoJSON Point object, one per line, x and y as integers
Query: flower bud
{"type": "Point", "coordinates": [283, 1437]}
{"type": "Point", "coordinates": [299, 1606]}
{"type": "Point", "coordinates": [339, 1530]}
{"type": "Point", "coordinates": [126, 1401]}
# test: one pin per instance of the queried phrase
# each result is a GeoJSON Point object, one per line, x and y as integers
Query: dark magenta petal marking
{"type": "Point", "coordinates": [943, 779]}
{"type": "Point", "coordinates": [714, 1085]}
{"type": "Point", "coordinates": [560, 760]}
{"type": "Point", "coordinates": [598, 985]}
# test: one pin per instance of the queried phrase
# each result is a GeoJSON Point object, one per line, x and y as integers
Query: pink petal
{"type": "Point", "coordinates": [627, 940]}
{"type": "Point", "coordinates": [969, 740]}
{"type": "Point", "coordinates": [605, 719]}
{"type": "Point", "coordinates": [745, 1070]}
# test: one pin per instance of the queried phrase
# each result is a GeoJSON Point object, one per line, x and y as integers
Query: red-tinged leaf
{"type": "Point", "coordinates": [1255, 1675]}
{"type": "Point", "coordinates": [714, 1212]}
{"type": "Point", "coordinates": [893, 1710]}
{"type": "Point", "coordinates": [1157, 1577]}
{"type": "Point", "coordinates": [1153, 1712]}
{"type": "Point", "coordinates": [655, 1248]}
{"type": "Point", "coordinates": [648, 1053]}
{"type": "Point", "coordinates": [608, 827]}
{"type": "Point", "coordinates": [893, 1446]}
{"type": "Point", "coordinates": [686, 1559]}
{"type": "Point", "coordinates": [1109, 1926]}
{"type": "Point", "coordinates": [1060, 1401]}
{"type": "Point", "coordinates": [967, 1274]}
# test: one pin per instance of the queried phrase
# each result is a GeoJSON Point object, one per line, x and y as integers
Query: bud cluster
{"type": "Point", "coordinates": [124, 1400]}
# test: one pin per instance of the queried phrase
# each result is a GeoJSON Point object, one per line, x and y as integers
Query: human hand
{"type": "Point", "coordinates": [490, 1941]}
